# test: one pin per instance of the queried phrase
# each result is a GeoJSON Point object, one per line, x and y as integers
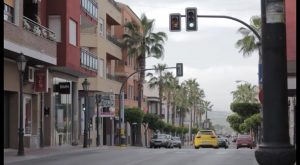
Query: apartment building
{"type": "Point", "coordinates": [48, 34]}
{"type": "Point", "coordinates": [101, 42]}
{"type": "Point", "coordinates": [26, 32]}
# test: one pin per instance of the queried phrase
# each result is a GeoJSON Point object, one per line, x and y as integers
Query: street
{"type": "Point", "coordinates": [146, 156]}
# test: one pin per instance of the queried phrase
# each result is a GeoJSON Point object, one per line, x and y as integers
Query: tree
{"type": "Point", "coordinates": [142, 42]}
{"type": "Point", "coordinates": [170, 83]}
{"type": "Point", "coordinates": [249, 43]}
{"type": "Point", "coordinates": [149, 120]}
{"type": "Point", "coordinates": [160, 125]}
{"type": "Point", "coordinates": [245, 93]}
{"type": "Point", "coordinates": [235, 121]}
{"type": "Point", "coordinates": [245, 110]}
{"type": "Point", "coordinates": [157, 81]}
{"type": "Point", "coordinates": [133, 116]}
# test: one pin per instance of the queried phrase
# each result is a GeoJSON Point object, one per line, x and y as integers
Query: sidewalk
{"type": "Point", "coordinates": [10, 155]}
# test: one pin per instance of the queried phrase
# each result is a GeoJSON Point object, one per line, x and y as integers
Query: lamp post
{"type": "Point", "coordinates": [21, 62]}
{"type": "Point", "coordinates": [98, 100]}
{"type": "Point", "coordinates": [85, 86]}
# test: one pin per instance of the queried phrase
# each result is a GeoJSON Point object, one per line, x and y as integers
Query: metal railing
{"type": "Point", "coordinates": [113, 39]}
{"type": "Point", "coordinates": [88, 60]}
{"type": "Point", "coordinates": [114, 4]}
{"type": "Point", "coordinates": [38, 29]}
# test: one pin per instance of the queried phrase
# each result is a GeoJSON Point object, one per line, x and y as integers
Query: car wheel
{"type": "Point", "coordinates": [197, 147]}
{"type": "Point", "coordinates": [250, 147]}
{"type": "Point", "coordinates": [179, 147]}
{"type": "Point", "coordinates": [237, 147]}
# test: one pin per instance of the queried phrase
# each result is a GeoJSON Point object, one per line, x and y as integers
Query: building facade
{"type": "Point", "coordinates": [26, 32]}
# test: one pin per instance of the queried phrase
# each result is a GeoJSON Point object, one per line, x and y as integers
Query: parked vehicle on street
{"type": "Point", "coordinates": [244, 141]}
{"type": "Point", "coordinates": [161, 140]}
{"type": "Point", "coordinates": [176, 142]}
{"type": "Point", "coordinates": [205, 138]}
{"type": "Point", "coordinates": [222, 142]}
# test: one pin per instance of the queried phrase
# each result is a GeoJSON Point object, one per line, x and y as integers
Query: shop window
{"type": "Point", "coordinates": [27, 114]}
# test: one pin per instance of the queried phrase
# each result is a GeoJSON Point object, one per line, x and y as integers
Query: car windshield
{"type": "Point", "coordinates": [160, 136]}
{"type": "Point", "coordinates": [206, 133]}
{"type": "Point", "coordinates": [176, 138]}
{"type": "Point", "coordinates": [244, 136]}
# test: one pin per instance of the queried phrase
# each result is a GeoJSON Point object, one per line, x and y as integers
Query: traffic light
{"type": "Point", "coordinates": [179, 69]}
{"type": "Point", "coordinates": [175, 23]}
{"type": "Point", "coordinates": [191, 19]}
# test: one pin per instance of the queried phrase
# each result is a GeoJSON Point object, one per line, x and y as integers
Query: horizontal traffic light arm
{"type": "Point", "coordinates": [232, 18]}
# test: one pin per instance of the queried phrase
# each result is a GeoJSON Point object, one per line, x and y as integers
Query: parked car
{"type": "Point", "coordinates": [160, 140]}
{"type": "Point", "coordinates": [205, 138]}
{"type": "Point", "coordinates": [222, 142]}
{"type": "Point", "coordinates": [176, 142]}
{"type": "Point", "coordinates": [244, 141]}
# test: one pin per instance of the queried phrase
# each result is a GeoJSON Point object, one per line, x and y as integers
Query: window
{"type": "Point", "coordinates": [101, 27]}
{"type": "Point", "coordinates": [101, 67]}
{"type": "Point", "coordinates": [27, 115]}
{"type": "Point", "coordinates": [9, 12]}
{"type": "Point", "coordinates": [72, 32]}
{"type": "Point", "coordinates": [55, 26]}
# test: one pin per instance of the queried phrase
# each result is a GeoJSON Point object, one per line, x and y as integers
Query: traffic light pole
{"type": "Point", "coordinates": [275, 148]}
{"type": "Point", "coordinates": [121, 106]}
{"type": "Point", "coordinates": [232, 18]}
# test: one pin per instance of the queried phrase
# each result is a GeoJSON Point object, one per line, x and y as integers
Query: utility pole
{"type": "Point", "coordinates": [275, 148]}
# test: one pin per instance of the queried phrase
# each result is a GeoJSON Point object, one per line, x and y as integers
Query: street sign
{"type": "Point", "coordinates": [106, 99]}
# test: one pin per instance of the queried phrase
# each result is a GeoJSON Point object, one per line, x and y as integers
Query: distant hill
{"type": "Point", "coordinates": [218, 117]}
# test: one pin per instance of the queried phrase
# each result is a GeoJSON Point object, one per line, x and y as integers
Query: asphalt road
{"type": "Point", "coordinates": [146, 156]}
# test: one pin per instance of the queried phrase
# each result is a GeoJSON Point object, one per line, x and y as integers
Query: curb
{"type": "Point", "coordinates": [8, 158]}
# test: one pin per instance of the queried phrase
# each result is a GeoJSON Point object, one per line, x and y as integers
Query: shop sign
{"type": "Point", "coordinates": [63, 88]}
{"type": "Point", "coordinates": [106, 99]}
{"type": "Point", "coordinates": [41, 80]}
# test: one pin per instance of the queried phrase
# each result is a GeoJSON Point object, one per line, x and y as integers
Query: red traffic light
{"type": "Point", "coordinates": [175, 22]}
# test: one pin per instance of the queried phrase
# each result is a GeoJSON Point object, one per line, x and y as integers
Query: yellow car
{"type": "Point", "coordinates": [206, 138]}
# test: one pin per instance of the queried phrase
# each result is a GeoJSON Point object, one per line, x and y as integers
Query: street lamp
{"type": "Point", "coordinates": [85, 86]}
{"type": "Point", "coordinates": [21, 62]}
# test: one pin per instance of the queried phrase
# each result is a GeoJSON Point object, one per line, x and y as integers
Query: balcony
{"type": "Point", "coordinates": [32, 39]}
{"type": "Point", "coordinates": [90, 7]}
{"type": "Point", "coordinates": [113, 39]}
{"type": "Point", "coordinates": [114, 77]}
{"type": "Point", "coordinates": [38, 29]}
{"type": "Point", "coordinates": [114, 3]}
{"type": "Point", "coordinates": [88, 60]}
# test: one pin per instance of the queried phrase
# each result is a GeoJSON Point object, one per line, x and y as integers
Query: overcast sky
{"type": "Point", "coordinates": [209, 54]}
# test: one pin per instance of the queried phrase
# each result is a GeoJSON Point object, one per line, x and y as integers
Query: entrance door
{"type": "Point", "coordinates": [6, 120]}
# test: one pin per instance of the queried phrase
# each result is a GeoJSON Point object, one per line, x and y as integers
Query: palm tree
{"type": "Point", "coordinates": [170, 84]}
{"type": "Point", "coordinates": [142, 42]}
{"type": "Point", "coordinates": [157, 81]}
{"type": "Point", "coordinates": [181, 102]}
{"type": "Point", "coordinates": [245, 93]}
{"type": "Point", "coordinates": [249, 43]}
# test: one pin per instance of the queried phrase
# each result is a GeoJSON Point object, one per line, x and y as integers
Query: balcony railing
{"type": "Point", "coordinates": [88, 60]}
{"type": "Point", "coordinates": [113, 39]}
{"type": "Point", "coordinates": [38, 29]}
{"type": "Point", "coordinates": [114, 4]}
{"type": "Point", "coordinates": [90, 7]}
{"type": "Point", "coordinates": [113, 77]}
